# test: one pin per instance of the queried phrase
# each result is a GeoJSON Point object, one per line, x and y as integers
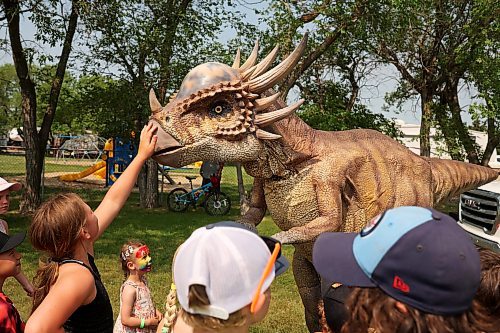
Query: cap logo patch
{"type": "Point", "coordinates": [370, 226]}
{"type": "Point", "coordinates": [398, 283]}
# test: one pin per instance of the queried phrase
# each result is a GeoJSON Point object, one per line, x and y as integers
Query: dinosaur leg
{"type": "Point", "coordinates": [308, 283]}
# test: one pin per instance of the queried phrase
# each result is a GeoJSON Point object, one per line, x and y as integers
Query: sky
{"type": "Point", "coordinates": [372, 94]}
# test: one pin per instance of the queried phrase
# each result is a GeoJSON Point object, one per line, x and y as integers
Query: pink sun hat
{"type": "Point", "coordinates": [5, 185]}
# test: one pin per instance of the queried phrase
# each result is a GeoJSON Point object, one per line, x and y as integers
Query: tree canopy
{"type": "Point", "coordinates": [117, 50]}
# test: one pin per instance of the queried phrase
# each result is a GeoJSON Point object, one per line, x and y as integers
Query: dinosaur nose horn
{"type": "Point", "coordinates": [153, 102]}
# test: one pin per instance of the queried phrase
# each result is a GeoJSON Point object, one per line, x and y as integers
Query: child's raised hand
{"type": "Point", "coordinates": [148, 141]}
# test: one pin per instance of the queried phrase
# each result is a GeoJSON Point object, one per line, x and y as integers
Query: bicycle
{"type": "Point", "coordinates": [215, 203]}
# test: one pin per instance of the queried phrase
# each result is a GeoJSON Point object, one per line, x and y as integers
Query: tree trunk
{"type": "Point", "coordinates": [425, 124]}
{"type": "Point", "coordinates": [493, 141]}
{"type": "Point", "coordinates": [451, 95]}
{"type": "Point", "coordinates": [33, 156]}
{"type": "Point", "coordinates": [149, 179]}
{"type": "Point", "coordinates": [241, 190]}
{"type": "Point", "coordinates": [35, 143]}
{"type": "Point", "coordinates": [449, 134]}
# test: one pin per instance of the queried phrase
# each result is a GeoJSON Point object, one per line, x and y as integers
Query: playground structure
{"type": "Point", "coordinates": [118, 158]}
{"type": "Point", "coordinates": [111, 162]}
{"type": "Point", "coordinates": [98, 169]}
{"type": "Point", "coordinates": [114, 159]}
{"type": "Point", "coordinates": [84, 147]}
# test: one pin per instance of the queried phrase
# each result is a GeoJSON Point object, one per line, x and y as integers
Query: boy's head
{"type": "Point", "coordinates": [488, 293]}
{"type": "Point", "coordinates": [5, 189]}
{"type": "Point", "coordinates": [223, 273]}
{"type": "Point", "coordinates": [10, 259]}
{"type": "Point", "coordinates": [418, 256]}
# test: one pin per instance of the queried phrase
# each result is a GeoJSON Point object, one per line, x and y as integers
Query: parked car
{"type": "Point", "coordinates": [479, 215]}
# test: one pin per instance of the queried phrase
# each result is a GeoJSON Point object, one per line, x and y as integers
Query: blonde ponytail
{"type": "Point", "coordinates": [171, 309]}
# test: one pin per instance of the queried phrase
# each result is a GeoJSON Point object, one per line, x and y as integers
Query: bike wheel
{"type": "Point", "coordinates": [178, 200]}
{"type": "Point", "coordinates": [217, 203]}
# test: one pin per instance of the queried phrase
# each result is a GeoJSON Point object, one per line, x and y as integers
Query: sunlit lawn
{"type": "Point", "coordinates": [163, 231]}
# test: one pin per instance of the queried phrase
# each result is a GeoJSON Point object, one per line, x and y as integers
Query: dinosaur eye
{"type": "Point", "coordinates": [219, 108]}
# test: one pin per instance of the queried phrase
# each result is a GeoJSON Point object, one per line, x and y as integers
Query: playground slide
{"type": "Point", "coordinates": [97, 168]}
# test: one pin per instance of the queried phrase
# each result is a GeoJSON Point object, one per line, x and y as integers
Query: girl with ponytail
{"type": "Point", "coordinates": [209, 300]}
{"type": "Point", "coordinates": [69, 295]}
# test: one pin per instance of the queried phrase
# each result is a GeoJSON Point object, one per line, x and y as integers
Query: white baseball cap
{"type": "Point", "coordinates": [227, 260]}
{"type": "Point", "coordinates": [4, 185]}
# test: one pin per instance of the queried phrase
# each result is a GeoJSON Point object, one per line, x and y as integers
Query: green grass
{"type": "Point", "coordinates": [164, 232]}
{"type": "Point", "coordinates": [15, 165]}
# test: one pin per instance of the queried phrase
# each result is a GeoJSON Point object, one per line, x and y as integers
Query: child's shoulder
{"type": "Point", "coordinates": [10, 320]}
{"type": "Point", "coordinates": [129, 286]}
{"type": "Point", "coordinates": [6, 306]}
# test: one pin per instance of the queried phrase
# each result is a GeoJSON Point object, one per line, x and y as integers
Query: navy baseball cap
{"type": "Point", "coordinates": [9, 242]}
{"type": "Point", "coordinates": [416, 255]}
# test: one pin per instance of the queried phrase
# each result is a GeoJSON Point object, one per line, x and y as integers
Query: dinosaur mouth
{"type": "Point", "coordinates": [167, 150]}
{"type": "Point", "coordinates": [166, 147]}
{"type": "Point", "coordinates": [166, 142]}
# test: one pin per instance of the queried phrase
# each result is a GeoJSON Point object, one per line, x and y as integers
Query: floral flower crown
{"type": "Point", "coordinates": [141, 250]}
{"type": "Point", "coordinates": [125, 254]}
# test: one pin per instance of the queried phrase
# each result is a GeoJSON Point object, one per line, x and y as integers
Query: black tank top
{"type": "Point", "coordinates": [97, 316]}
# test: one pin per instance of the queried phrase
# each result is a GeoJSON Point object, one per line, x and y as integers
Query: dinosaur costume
{"type": "Point", "coordinates": [311, 181]}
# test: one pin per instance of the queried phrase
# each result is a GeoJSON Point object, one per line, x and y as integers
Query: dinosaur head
{"type": "Point", "coordinates": [219, 112]}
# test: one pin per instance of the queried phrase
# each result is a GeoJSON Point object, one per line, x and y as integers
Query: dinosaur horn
{"type": "Point", "coordinates": [265, 63]}
{"type": "Point", "coordinates": [153, 102]}
{"type": "Point", "coordinates": [251, 59]}
{"type": "Point", "coordinates": [263, 103]}
{"type": "Point", "coordinates": [236, 63]}
{"type": "Point", "coordinates": [270, 78]}
{"type": "Point", "coordinates": [264, 119]}
{"type": "Point", "coordinates": [246, 74]}
{"type": "Point", "coordinates": [263, 135]}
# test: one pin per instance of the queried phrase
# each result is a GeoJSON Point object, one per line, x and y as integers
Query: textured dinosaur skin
{"type": "Point", "coordinates": [310, 181]}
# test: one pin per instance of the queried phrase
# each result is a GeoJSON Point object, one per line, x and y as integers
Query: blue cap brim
{"type": "Point", "coordinates": [334, 260]}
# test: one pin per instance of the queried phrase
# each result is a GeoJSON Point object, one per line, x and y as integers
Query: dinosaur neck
{"type": "Point", "coordinates": [296, 134]}
{"type": "Point", "coordinates": [279, 158]}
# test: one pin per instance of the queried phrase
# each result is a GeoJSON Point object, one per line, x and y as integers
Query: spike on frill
{"type": "Point", "coordinates": [270, 78]}
{"type": "Point", "coordinates": [264, 103]}
{"type": "Point", "coordinates": [264, 119]}
{"type": "Point", "coordinates": [251, 59]}
{"type": "Point", "coordinates": [236, 63]}
{"type": "Point", "coordinates": [263, 135]}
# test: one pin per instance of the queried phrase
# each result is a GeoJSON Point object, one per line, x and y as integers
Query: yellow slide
{"type": "Point", "coordinates": [99, 169]}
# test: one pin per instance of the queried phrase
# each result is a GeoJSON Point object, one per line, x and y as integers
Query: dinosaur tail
{"type": "Point", "coordinates": [450, 178]}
